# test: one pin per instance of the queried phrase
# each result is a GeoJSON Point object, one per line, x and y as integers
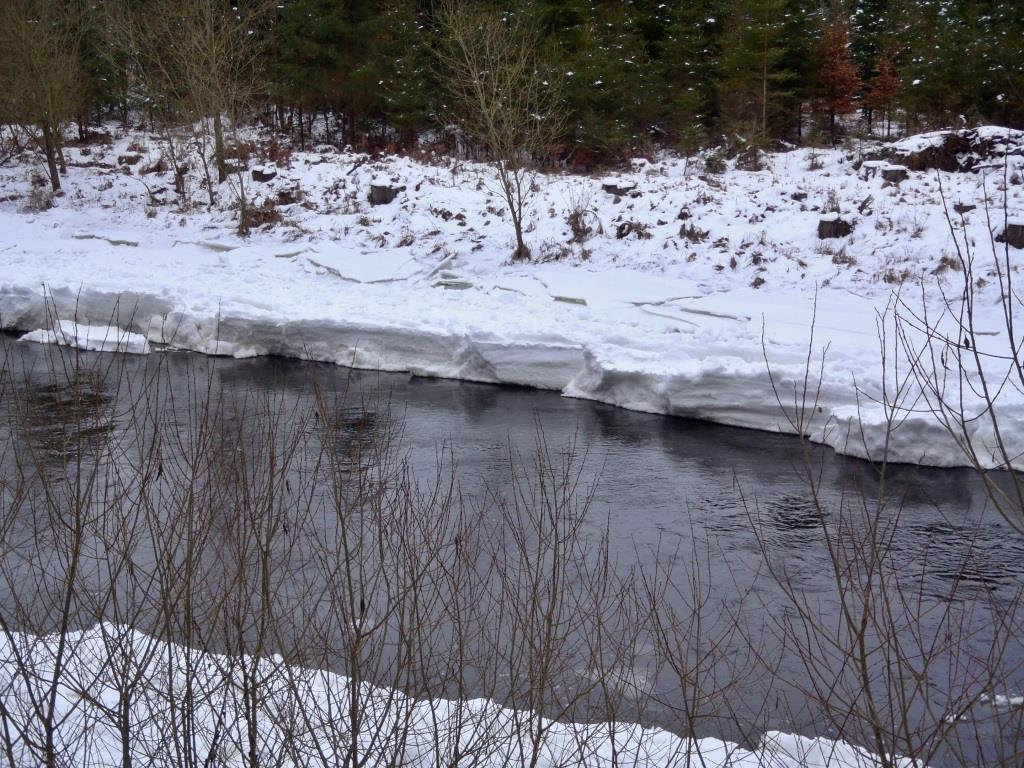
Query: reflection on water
{"type": "Point", "coordinates": [662, 485]}
{"type": "Point", "coordinates": [62, 419]}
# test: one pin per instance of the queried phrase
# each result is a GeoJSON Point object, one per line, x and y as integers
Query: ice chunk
{"type": "Point", "coordinates": [95, 338]}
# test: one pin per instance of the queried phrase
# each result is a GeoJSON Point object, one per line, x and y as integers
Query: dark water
{"type": "Point", "coordinates": [727, 499]}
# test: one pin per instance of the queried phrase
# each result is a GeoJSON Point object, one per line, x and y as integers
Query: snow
{"type": "Point", "coordinates": [95, 338]}
{"type": "Point", "coordinates": [721, 326]}
{"type": "Point", "coordinates": [1003, 140]}
{"type": "Point", "coordinates": [98, 663]}
{"type": "Point", "coordinates": [1002, 701]}
{"type": "Point", "coordinates": [919, 142]}
{"type": "Point", "coordinates": [362, 266]}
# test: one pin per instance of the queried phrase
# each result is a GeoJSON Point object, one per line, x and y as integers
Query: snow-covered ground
{"type": "Point", "coordinates": [117, 686]}
{"type": "Point", "coordinates": [704, 307]}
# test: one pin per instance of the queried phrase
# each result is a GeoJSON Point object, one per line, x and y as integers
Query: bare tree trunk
{"type": "Point", "coordinates": [218, 149]}
{"type": "Point", "coordinates": [764, 78]}
{"type": "Point", "coordinates": [50, 150]}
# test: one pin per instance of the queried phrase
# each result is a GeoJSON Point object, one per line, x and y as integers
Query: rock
{"type": "Point", "coordinates": [894, 174]}
{"type": "Point", "coordinates": [833, 225]}
{"type": "Point", "coordinates": [128, 159]}
{"type": "Point", "coordinates": [952, 151]}
{"type": "Point", "coordinates": [382, 194]}
{"type": "Point", "coordinates": [963, 208]}
{"type": "Point", "coordinates": [869, 169]}
{"type": "Point", "coordinates": [264, 173]}
{"type": "Point", "coordinates": [1013, 234]}
{"type": "Point", "coordinates": [618, 187]}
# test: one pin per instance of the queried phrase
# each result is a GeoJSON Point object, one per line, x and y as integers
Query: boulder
{"type": "Point", "coordinates": [618, 187]}
{"type": "Point", "coordinates": [833, 225]}
{"type": "Point", "coordinates": [264, 173]}
{"type": "Point", "coordinates": [1013, 234]}
{"type": "Point", "coordinates": [869, 169]}
{"type": "Point", "coordinates": [382, 194]}
{"type": "Point", "coordinates": [952, 151]}
{"type": "Point", "coordinates": [894, 174]}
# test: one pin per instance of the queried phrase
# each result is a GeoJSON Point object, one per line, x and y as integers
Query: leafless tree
{"type": "Point", "coordinates": [199, 61]}
{"type": "Point", "coordinates": [964, 374]}
{"type": "Point", "coordinates": [500, 97]}
{"type": "Point", "coordinates": [41, 73]}
{"type": "Point", "coordinates": [888, 668]}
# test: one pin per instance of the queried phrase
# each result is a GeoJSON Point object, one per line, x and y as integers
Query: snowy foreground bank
{"type": "Point", "coordinates": [718, 301]}
{"type": "Point", "coordinates": [117, 686]}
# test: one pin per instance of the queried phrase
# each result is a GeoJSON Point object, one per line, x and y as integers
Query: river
{"type": "Point", "coordinates": [722, 501]}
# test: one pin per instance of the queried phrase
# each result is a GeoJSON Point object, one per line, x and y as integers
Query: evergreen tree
{"type": "Point", "coordinates": [943, 63]}
{"type": "Point", "coordinates": [801, 24]}
{"type": "Point", "coordinates": [883, 89]}
{"type": "Point", "coordinates": [869, 26]}
{"type": "Point", "coordinates": [612, 94]}
{"type": "Point", "coordinates": [837, 80]}
{"type": "Point", "coordinates": [752, 84]}
{"type": "Point", "coordinates": [1003, 88]}
{"type": "Point", "coordinates": [306, 71]}
{"type": "Point", "coordinates": [690, 69]}
{"type": "Point", "coordinates": [405, 85]}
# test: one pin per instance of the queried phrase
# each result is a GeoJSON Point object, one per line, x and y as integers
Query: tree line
{"type": "Point", "coordinates": [629, 74]}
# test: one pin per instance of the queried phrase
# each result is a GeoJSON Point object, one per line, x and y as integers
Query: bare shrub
{"type": "Point", "coordinates": [631, 227]}
{"type": "Point", "coordinates": [38, 200]}
{"type": "Point", "coordinates": [694, 234]}
{"type": "Point", "coordinates": [501, 98]}
{"type": "Point", "coordinates": [951, 360]}
{"type": "Point", "coordinates": [583, 220]}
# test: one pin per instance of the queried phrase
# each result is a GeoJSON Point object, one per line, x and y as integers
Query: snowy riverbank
{"type": "Point", "coordinates": [116, 686]}
{"type": "Point", "coordinates": [705, 307]}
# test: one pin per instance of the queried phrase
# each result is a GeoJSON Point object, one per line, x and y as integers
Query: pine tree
{"type": "Point", "coordinates": [752, 73]}
{"type": "Point", "coordinates": [1003, 85]}
{"type": "Point", "coordinates": [306, 70]}
{"type": "Point", "coordinates": [869, 25]}
{"type": "Point", "coordinates": [934, 70]}
{"type": "Point", "coordinates": [801, 21]}
{"type": "Point", "coordinates": [883, 89]}
{"type": "Point", "coordinates": [690, 69]}
{"type": "Point", "coordinates": [405, 86]}
{"type": "Point", "coordinates": [837, 80]}
{"type": "Point", "coordinates": [612, 94]}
